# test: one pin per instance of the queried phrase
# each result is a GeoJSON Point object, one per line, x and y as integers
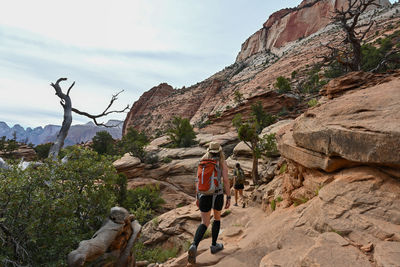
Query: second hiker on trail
{"type": "Point", "coordinates": [238, 181]}
{"type": "Point", "coordinates": [212, 179]}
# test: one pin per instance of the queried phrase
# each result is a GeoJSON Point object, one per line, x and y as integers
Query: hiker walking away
{"type": "Point", "coordinates": [212, 179]}
{"type": "Point", "coordinates": [238, 181]}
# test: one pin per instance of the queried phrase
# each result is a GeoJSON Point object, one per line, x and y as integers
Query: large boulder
{"type": "Point", "coordinates": [360, 127]}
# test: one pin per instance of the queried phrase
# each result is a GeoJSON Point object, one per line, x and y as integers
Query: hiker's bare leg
{"type": "Point", "coordinates": [217, 215]}
{"type": "Point", "coordinates": [241, 194]}
{"type": "Point", "coordinates": [205, 218]}
{"type": "Point", "coordinates": [236, 196]}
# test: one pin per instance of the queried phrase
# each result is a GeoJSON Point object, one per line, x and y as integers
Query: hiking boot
{"type": "Point", "coordinates": [216, 248]}
{"type": "Point", "coordinates": [192, 254]}
{"type": "Point", "coordinates": [235, 204]}
{"type": "Point", "coordinates": [244, 205]}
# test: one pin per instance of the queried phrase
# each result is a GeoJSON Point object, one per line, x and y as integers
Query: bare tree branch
{"type": "Point", "coordinates": [348, 19]}
{"type": "Point", "coordinates": [66, 103]}
{"type": "Point", "coordinates": [104, 113]}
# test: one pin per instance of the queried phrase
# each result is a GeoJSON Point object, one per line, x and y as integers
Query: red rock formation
{"type": "Point", "coordinates": [288, 25]}
{"type": "Point", "coordinates": [149, 99]}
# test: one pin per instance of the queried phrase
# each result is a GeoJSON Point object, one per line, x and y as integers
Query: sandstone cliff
{"type": "Point", "coordinates": [288, 25]}
{"type": "Point", "coordinates": [253, 76]}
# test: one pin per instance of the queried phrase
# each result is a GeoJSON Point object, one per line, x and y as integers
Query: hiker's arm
{"type": "Point", "coordinates": [226, 184]}
{"type": "Point", "coordinates": [226, 179]}
{"type": "Point", "coordinates": [196, 195]}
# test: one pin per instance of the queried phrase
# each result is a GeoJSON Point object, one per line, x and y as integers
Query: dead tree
{"type": "Point", "coordinates": [348, 18]}
{"type": "Point", "coordinates": [66, 103]}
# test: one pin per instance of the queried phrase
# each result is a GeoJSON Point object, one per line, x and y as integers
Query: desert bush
{"type": "Point", "coordinates": [238, 97]}
{"type": "Point", "coordinates": [181, 133]}
{"type": "Point", "coordinates": [268, 145]}
{"type": "Point", "coordinates": [154, 255]}
{"type": "Point", "coordinates": [166, 160]}
{"type": "Point", "coordinates": [42, 150]}
{"type": "Point", "coordinates": [373, 55]}
{"type": "Point", "coordinates": [143, 202]}
{"type": "Point", "coordinates": [46, 211]}
{"type": "Point", "coordinates": [103, 143]}
{"type": "Point", "coordinates": [312, 83]}
{"type": "Point", "coordinates": [283, 85]}
{"type": "Point", "coordinates": [133, 143]}
{"type": "Point", "coordinates": [312, 102]}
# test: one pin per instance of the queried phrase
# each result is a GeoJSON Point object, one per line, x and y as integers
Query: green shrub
{"type": "Point", "coordinates": [42, 151]}
{"type": "Point", "coordinates": [273, 205]}
{"type": "Point", "coordinates": [279, 199]}
{"type": "Point", "coordinates": [268, 145]}
{"type": "Point", "coordinates": [293, 75]}
{"type": "Point", "coordinates": [143, 202]}
{"type": "Point", "coordinates": [372, 56]}
{"type": "Point", "coordinates": [133, 142]}
{"type": "Point", "coordinates": [46, 211]}
{"type": "Point", "coordinates": [334, 70]}
{"type": "Point", "coordinates": [154, 255]}
{"type": "Point", "coordinates": [238, 97]}
{"type": "Point", "coordinates": [283, 168]}
{"type": "Point", "coordinates": [283, 85]}
{"type": "Point", "coordinates": [181, 133]}
{"type": "Point", "coordinates": [151, 158]}
{"type": "Point", "coordinates": [167, 160]}
{"type": "Point", "coordinates": [103, 143]}
{"type": "Point", "coordinates": [312, 103]}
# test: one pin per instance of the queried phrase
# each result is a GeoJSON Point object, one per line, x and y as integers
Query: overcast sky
{"type": "Point", "coordinates": [107, 46]}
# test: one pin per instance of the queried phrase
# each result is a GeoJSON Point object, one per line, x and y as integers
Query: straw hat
{"type": "Point", "coordinates": [214, 147]}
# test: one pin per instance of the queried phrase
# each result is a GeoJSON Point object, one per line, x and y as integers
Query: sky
{"type": "Point", "coordinates": [108, 46]}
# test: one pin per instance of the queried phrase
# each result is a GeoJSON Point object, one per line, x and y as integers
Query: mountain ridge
{"type": "Point", "coordinates": [78, 133]}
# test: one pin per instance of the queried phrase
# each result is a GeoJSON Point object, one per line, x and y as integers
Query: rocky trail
{"type": "Point", "coordinates": [353, 221]}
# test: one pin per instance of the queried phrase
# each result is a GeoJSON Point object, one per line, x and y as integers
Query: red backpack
{"type": "Point", "coordinates": [208, 176]}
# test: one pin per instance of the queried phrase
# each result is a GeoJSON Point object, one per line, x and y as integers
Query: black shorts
{"type": "Point", "coordinates": [239, 186]}
{"type": "Point", "coordinates": [205, 202]}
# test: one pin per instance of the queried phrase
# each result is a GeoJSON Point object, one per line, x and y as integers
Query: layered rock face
{"type": "Point", "coordinates": [360, 127]}
{"type": "Point", "coordinates": [288, 25]}
{"type": "Point", "coordinates": [254, 75]}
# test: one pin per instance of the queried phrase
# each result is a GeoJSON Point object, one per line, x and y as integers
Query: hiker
{"type": "Point", "coordinates": [238, 181]}
{"type": "Point", "coordinates": [212, 176]}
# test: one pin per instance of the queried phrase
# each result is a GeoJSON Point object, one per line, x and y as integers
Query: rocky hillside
{"type": "Point", "coordinates": [254, 73]}
{"type": "Point", "coordinates": [333, 198]}
{"type": "Point", "coordinates": [77, 133]}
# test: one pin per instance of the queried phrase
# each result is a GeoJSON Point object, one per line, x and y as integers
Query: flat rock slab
{"type": "Point", "coordinates": [387, 254]}
{"type": "Point", "coordinates": [361, 126]}
{"type": "Point", "coordinates": [208, 259]}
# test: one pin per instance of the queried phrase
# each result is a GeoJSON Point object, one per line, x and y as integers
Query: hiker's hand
{"type": "Point", "coordinates": [197, 203]}
{"type": "Point", "coordinates": [228, 203]}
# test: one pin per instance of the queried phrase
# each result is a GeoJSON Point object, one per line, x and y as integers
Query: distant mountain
{"type": "Point", "coordinates": [77, 133]}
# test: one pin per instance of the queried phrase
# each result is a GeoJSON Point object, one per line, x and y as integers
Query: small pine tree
{"type": "Point", "coordinates": [181, 133]}
{"type": "Point", "coordinates": [283, 85]}
{"type": "Point", "coordinates": [103, 143]}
